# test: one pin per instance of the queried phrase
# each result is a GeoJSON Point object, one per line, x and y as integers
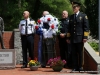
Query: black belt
{"type": "Point", "coordinates": [27, 35]}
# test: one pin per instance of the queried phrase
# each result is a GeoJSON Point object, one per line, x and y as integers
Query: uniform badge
{"type": "Point", "coordinates": [68, 21]}
{"type": "Point", "coordinates": [86, 17]}
{"type": "Point", "coordinates": [80, 17]}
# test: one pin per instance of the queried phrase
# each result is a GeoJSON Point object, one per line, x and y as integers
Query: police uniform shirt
{"type": "Point", "coordinates": [30, 26]}
{"type": "Point", "coordinates": [78, 28]}
{"type": "Point", "coordinates": [64, 25]}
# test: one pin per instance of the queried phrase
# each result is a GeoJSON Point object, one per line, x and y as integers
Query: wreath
{"type": "Point", "coordinates": [53, 26]}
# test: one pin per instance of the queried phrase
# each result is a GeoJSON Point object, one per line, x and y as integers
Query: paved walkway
{"type": "Point", "coordinates": [41, 71]}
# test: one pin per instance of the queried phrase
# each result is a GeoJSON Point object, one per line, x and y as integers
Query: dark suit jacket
{"type": "Point", "coordinates": [64, 27]}
{"type": "Point", "coordinates": [78, 29]}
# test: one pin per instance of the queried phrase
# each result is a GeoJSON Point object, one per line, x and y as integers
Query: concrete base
{"type": "Point", "coordinates": [7, 58]}
{"type": "Point", "coordinates": [91, 59]}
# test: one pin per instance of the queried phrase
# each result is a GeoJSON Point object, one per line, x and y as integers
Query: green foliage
{"type": "Point", "coordinates": [11, 11]}
{"type": "Point", "coordinates": [94, 45]}
{"type": "Point", "coordinates": [92, 12]}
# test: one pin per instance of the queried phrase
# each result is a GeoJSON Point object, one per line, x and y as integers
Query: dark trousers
{"type": "Point", "coordinates": [1, 41]}
{"type": "Point", "coordinates": [65, 51]}
{"type": "Point", "coordinates": [48, 50]}
{"type": "Point", "coordinates": [77, 54]}
{"type": "Point", "coordinates": [63, 48]}
{"type": "Point", "coordinates": [27, 44]}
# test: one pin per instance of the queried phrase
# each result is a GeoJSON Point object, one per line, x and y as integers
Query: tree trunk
{"type": "Point", "coordinates": [36, 8]}
{"type": "Point", "coordinates": [19, 3]}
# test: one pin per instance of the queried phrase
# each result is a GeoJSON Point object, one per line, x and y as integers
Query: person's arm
{"type": "Point", "coordinates": [20, 26]}
{"type": "Point", "coordinates": [68, 34]}
{"type": "Point", "coordinates": [2, 25]}
{"type": "Point", "coordinates": [85, 27]}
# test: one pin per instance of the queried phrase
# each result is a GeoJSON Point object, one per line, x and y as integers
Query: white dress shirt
{"type": "Point", "coordinates": [30, 26]}
{"type": "Point", "coordinates": [77, 13]}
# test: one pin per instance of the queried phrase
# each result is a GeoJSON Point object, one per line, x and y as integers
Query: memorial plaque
{"type": "Point", "coordinates": [7, 58]}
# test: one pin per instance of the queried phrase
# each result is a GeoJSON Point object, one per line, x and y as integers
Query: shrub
{"type": "Point", "coordinates": [94, 45]}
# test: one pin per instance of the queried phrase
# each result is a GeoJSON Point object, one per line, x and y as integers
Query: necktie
{"type": "Point", "coordinates": [75, 17]}
{"type": "Point", "coordinates": [26, 28]}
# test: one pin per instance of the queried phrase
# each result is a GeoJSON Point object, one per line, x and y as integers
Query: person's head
{"type": "Point", "coordinates": [26, 14]}
{"type": "Point", "coordinates": [64, 14]}
{"type": "Point", "coordinates": [45, 13]}
{"type": "Point", "coordinates": [76, 6]}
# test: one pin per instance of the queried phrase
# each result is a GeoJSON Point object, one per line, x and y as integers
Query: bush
{"type": "Point", "coordinates": [94, 45]}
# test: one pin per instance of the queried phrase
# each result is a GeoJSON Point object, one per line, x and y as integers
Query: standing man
{"type": "Point", "coordinates": [77, 34]}
{"type": "Point", "coordinates": [62, 36]}
{"type": "Point", "coordinates": [26, 28]}
{"type": "Point", "coordinates": [1, 32]}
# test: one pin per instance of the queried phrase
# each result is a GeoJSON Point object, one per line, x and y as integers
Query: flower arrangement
{"type": "Point", "coordinates": [56, 62]}
{"type": "Point", "coordinates": [59, 27]}
{"type": "Point", "coordinates": [33, 63]}
{"type": "Point", "coordinates": [49, 19]}
{"type": "Point", "coordinates": [47, 26]}
{"type": "Point", "coordinates": [39, 21]}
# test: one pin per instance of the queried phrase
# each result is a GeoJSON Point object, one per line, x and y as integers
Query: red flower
{"type": "Point", "coordinates": [36, 27]}
{"type": "Point", "coordinates": [52, 26]}
{"type": "Point", "coordinates": [39, 21]}
{"type": "Point", "coordinates": [48, 19]}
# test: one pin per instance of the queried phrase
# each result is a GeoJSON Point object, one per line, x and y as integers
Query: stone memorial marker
{"type": "Point", "coordinates": [7, 59]}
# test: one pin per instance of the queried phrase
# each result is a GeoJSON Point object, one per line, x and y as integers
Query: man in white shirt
{"type": "Point", "coordinates": [26, 28]}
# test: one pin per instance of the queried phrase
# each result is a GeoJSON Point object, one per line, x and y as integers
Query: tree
{"type": "Point", "coordinates": [55, 7]}
{"type": "Point", "coordinates": [12, 11]}
{"type": "Point", "coordinates": [92, 12]}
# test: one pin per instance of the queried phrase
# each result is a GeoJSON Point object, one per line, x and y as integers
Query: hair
{"type": "Point", "coordinates": [65, 11]}
{"type": "Point", "coordinates": [45, 12]}
{"type": "Point", "coordinates": [27, 12]}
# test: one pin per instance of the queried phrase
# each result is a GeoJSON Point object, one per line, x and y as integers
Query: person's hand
{"type": "Point", "coordinates": [68, 41]}
{"type": "Point", "coordinates": [62, 35]}
{"type": "Point", "coordinates": [84, 40]}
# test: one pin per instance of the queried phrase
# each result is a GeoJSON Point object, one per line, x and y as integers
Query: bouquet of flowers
{"type": "Point", "coordinates": [56, 62]}
{"type": "Point", "coordinates": [33, 63]}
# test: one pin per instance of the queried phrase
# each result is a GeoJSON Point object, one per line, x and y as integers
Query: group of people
{"type": "Point", "coordinates": [72, 33]}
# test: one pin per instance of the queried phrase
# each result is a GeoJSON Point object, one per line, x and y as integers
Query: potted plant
{"type": "Point", "coordinates": [34, 64]}
{"type": "Point", "coordinates": [56, 63]}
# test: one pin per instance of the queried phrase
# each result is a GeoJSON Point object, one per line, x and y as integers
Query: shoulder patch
{"type": "Point", "coordinates": [34, 22]}
{"type": "Point", "coordinates": [86, 17]}
{"type": "Point", "coordinates": [68, 21]}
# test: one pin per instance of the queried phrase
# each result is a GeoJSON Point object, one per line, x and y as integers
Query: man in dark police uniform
{"type": "Point", "coordinates": [64, 51]}
{"type": "Point", "coordinates": [78, 31]}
